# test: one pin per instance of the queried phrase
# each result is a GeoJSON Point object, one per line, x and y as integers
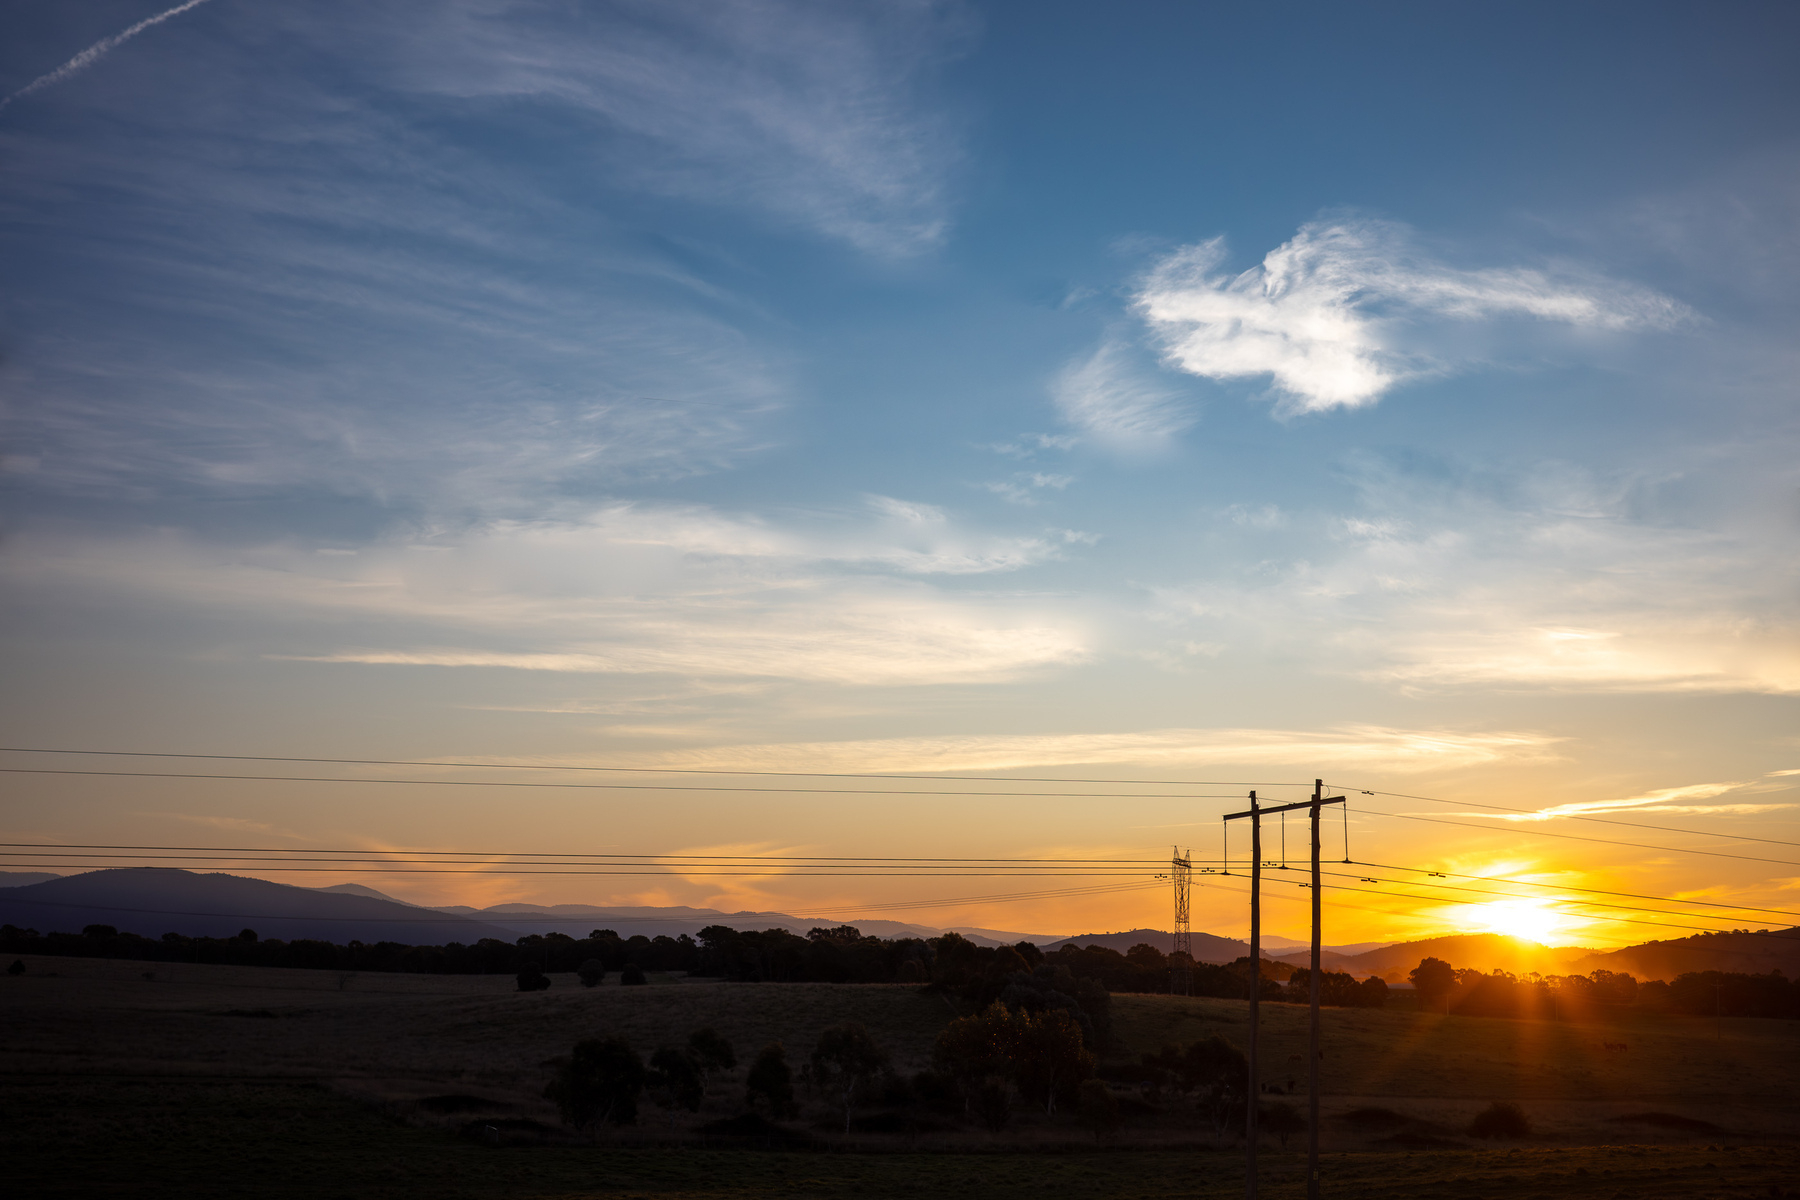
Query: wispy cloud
{"type": "Point", "coordinates": [95, 52]}
{"type": "Point", "coordinates": [1462, 578]}
{"type": "Point", "coordinates": [1349, 746]}
{"type": "Point", "coordinates": [1024, 487]}
{"type": "Point", "coordinates": [1665, 800]}
{"type": "Point", "coordinates": [1324, 314]}
{"type": "Point", "coordinates": [1111, 400]}
{"type": "Point", "coordinates": [814, 113]}
{"type": "Point", "coordinates": [630, 590]}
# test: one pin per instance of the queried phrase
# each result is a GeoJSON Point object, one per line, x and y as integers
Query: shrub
{"type": "Point", "coordinates": [1099, 1108]}
{"type": "Point", "coordinates": [591, 972]}
{"type": "Point", "coordinates": [632, 975]}
{"type": "Point", "coordinates": [533, 980]}
{"type": "Point", "coordinates": [17, 968]}
{"type": "Point", "coordinates": [711, 1052]}
{"type": "Point", "coordinates": [770, 1082]}
{"type": "Point", "coordinates": [936, 1091]}
{"type": "Point", "coordinates": [674, 1081]}
{"type": "Point", "coordinates": [1282, 1120]}
{"type": "Point", "coordinates": [992, 1106]}
{"type": "Point", "coordinates": [1500, 1120]}
{"type": "Point", "coordinates": [600, 1082]}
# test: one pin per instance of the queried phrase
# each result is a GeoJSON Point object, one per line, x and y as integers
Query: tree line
{"type": "Point", "coordinates": [1442, 987]}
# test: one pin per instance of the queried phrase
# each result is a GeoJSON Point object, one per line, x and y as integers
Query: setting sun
{"type": "Point", "coordinates": [1528, 919]}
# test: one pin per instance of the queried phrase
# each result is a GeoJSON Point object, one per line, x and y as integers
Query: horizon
{"type": "Point", "coordinates": [930, 460]}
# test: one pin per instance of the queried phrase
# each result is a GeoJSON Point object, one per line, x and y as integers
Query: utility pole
{"type": "Point", "coordinates": [1256, 813]}
{"type": "Point", "coordinates": [1312, 1083]}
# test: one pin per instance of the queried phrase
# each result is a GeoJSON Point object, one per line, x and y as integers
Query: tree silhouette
{"type": "Point", "coordinates": [710, 1052]}
{"type": "Point", "coordinates": [674, 1081]}
{"type": "Point", "coordinates": [1282, 1120]}
{"type": "Point", "coordinates": [591, 972]}
{"type": "Point", "coordinates": [600, 1082]}
{"type": "Point", "coordinates": [771, 1082]}
{"type": "Point", "coordinates": [1432, 980]}
{"type": "Point", "coordinates": [846, 1056]}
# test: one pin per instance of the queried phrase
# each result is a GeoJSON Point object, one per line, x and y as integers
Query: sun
{"type": "Point", "coordinates": [1527, 919]}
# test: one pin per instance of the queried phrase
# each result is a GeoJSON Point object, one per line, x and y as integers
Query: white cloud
{"type": "Point", "coordinates": [1359, 747]}
{"type": "Point", "coordinates": [1110, 401]}
{"type": "Point", "coordinates": [629, 589]}
{"type": "Point", "coordinates": [1325, 314]}
{"type": "Point", "coordinates": [813, 113]}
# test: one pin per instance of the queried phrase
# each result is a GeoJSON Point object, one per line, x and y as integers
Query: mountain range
{"type": "Point", "coordinates": [154, 900]}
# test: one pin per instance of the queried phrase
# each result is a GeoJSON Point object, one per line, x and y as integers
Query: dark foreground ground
{"type": "Point", "coordinates": [118, 1079]}
{"type": "Point", "coordinates": [203, 1138]}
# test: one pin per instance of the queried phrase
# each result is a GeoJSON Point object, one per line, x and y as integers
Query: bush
{"type": "Point", "coordinates": [632, 975]}
{"type": "Point", "coordinates": [1500, 1120]}
{"type": "Point", "coordinates": [600, 1082]}
{"type": "Point", "coordinates": [1099, 1108]}
{"type": "Point", "coordinates": [993, 1107]}
{"type": "Point", "coordinates": [533, 980]}
{"type": "Point", "coordinates": [17, 968]}
{"type": "Point", "coordinates": [591, 972]}
{"type": "Point", "coordinates": [770, 1082]}
{"type": "Point", "coordinates": [711, 1052]}
{"type": "Point", "coordinates": [675, 1081]}
{"type": "Point", "coordinates": [1280, 1119]}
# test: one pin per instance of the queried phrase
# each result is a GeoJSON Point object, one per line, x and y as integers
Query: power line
{"type": "Point", "coordinates": [629, 787]}
{"type": "Point", "coordinates": [1741, 837]}
{"type": "Point", "coordinates": [237, 850]}
{"type": "Point", "coordinates": [452, 919]}
{"type": "Point", "coordinates": [1628, 920]}
{"type": "Point", "coordinates": [1575, 837]}
{"type": "Point", "coordinates": [1591, 891]}
{"type": "Point", "coordinates": [388, 762]}
{"type": "Point", "coordinates": [1450, 887]}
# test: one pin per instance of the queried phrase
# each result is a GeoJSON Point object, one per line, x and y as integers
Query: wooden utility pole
{"type": "Point", "coordinates": [1254, 1081]}
{"type": "Point", "coordinates": [1312, 1080]}
{"type": "Point", "coordinates": [1256, 813]}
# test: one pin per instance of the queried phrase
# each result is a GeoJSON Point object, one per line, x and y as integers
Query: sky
{"type": "Point", "coordinates": [1399, 395]}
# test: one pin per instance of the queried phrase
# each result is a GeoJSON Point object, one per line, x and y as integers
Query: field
{"type": "Point", "coordinates": [150, 1079]}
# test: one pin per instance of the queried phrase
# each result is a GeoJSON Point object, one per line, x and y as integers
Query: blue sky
{"type": "Point", "coordinates": [1401, 394]}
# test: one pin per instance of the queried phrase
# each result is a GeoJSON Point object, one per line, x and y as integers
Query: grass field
{"type": "Point", "coordinates": [205, 1081]}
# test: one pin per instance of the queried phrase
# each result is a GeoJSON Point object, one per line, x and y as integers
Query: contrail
{"type": "Point", "coordinates": [99, 49]}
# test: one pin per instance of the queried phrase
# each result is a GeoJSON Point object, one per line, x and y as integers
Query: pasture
{"type": "Point", "coordinates": [144, 1079]}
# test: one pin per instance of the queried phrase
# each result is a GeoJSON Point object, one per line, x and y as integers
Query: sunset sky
{"type": "Point", "coordinates": [1228, 396]}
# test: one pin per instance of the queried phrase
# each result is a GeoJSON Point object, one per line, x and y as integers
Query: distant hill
{"type": "Point", "coordinates": [358, 889]}
{"type": "Point", "coordinates": [1208, 947]}
{"type": "Point", "coordinates": [1753, 953]}
{"type": "Point", "coordinates": [1286, 945]}
{"type": "Point", "coordinates": [25, 878]}
{"type": "Point", "coordinates": [155, 900]}
{"type": "Point", "coordinates": [1483, 951]}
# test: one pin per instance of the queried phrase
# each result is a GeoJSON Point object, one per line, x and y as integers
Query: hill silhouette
{"type": "Point", "coordinates": [155, 900]}
{"type": "Point", "coordinates": [1482, 951]}
{"type": "Point", "coordinates": [1754, 953]}
{"type": "Point", "coordinates": [152, 901]}
{"type": "Point", "coordinates": [1208, 947]}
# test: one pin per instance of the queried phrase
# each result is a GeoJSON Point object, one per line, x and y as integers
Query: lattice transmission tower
{"type": "Point", "coordinates": [1181, 956]}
